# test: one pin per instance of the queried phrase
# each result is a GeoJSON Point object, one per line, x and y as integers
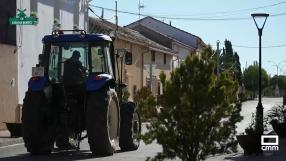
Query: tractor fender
{"type": "Point", "coordinates": [38, 83]}
{"type": "Point", "coordinates": [95, 82]}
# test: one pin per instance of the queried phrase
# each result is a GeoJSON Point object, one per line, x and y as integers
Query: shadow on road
{"type": "Point", "coordinates": [55, 156]}
{"type": "Point", "coordinates": [265, 157]}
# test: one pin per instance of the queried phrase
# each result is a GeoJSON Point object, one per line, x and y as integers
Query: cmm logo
{"type": "Point", "coordinates": [269, 142]}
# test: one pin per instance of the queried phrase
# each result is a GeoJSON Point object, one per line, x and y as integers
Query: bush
{"type": "Point", "coordinates": [146, 104]}
{"type": "Point", "coordinates": [199, 112]}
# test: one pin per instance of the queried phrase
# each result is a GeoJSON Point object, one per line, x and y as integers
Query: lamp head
{"type": "Point", "coordinates": [260, 19]}
{"type": "Point", "coordinates": [259, 15]}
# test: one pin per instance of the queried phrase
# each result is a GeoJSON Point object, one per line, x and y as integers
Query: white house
{"type": "Point", "coordinates": [182, 42]}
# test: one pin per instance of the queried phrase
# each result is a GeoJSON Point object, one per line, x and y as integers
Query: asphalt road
{"type": "Point", "coordinates": [18, 152]}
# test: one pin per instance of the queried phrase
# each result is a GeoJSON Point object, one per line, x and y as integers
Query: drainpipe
{"type": "Point", "coordinates": [142, 64]}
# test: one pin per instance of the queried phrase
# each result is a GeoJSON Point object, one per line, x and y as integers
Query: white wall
{"type": "Point", "coordinates": [182, 53]}
{"type": "Point", "coordinates": [29, 38]}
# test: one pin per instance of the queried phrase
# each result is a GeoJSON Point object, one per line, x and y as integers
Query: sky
{"type": "Point", "coordinates": [241, 32]}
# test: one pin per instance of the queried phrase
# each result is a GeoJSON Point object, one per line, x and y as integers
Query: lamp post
{"type": "Point", "coordinates": [277, 65]}
{"type": "Point", "coordinates": [259, 108]}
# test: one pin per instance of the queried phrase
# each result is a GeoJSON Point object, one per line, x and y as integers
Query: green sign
{"type": "Point", "coordinates": [22, 19]}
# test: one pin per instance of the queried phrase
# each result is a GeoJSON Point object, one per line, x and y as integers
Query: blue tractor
{"type": "Point", "coordinates": [76, 92]}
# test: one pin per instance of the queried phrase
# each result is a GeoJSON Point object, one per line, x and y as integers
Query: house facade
{"type": "Point", "coordinates": [182, 42]}
{"type": "Point", "coordinates": [145, 52]}
{"type": "Point", "coordinates": [20, 45]}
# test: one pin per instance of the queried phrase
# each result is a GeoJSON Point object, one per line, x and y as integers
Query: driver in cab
{"type": "Point", "coordinates": [74, 72]}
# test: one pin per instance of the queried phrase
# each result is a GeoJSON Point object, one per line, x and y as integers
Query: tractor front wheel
{"type": "Point", "coordinates": [130, 127]}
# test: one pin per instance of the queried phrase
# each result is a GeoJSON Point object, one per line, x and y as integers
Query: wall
{"type": "Point", "coordinates": [8, 84]}
{"type": "Point", "coordinates": [29, 38]}
{"type": "Point", "coordinates": [133, 73]}
{"type": "Point", "coordinates": [160, 66]}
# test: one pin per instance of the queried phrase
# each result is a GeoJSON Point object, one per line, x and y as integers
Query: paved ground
{"type": "Point", "coordinates": [5, 138]}
{"type": "Point", "coordinates": [17, 152]}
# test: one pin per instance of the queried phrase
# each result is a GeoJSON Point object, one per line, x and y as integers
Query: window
{"type": "Point", "coordinates": [33, 5]}
{"type": "Point", "coordinates": [109, 66]}
{"type": "Point", "coordinates": [159, 89]}
{"type": "Point", "coordinates": [165, 57]}
{"type": "Point", "coordinates": [59, 53]}
{"type": "Point", "coordinates": [153, 56]}
{"type": "Point", "coordinates": [148, 82]}
{"type": "Point", "coordinates": [98, 59]}
{"type": "Point", "coordinates": [134, 90]}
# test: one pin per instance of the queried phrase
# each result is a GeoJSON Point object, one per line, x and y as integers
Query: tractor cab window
{"type": "Point", "coordinates": [100, 59]}
{"type": "Point", "coordinates": [61, 53]}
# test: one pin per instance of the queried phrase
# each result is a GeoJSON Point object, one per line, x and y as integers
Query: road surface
{"type": "Point", "coordinates": [18, 152]}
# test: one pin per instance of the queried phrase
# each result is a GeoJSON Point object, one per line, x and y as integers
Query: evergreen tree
{"type": "Point", "coordinates": [146, 103]}
{"type": "Point", "coordinates": [251, 76]}
{"type": "Point", "coordinates": [198, 116]}
{"type": "Point", "coordinates": [237, 68]}
{"type": "Point", "coordinates": [229, 61]}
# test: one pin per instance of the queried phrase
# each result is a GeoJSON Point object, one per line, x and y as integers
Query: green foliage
{"type": "Point", "coordinates": [250, 130]}
{"type": "Point", "coordinates": [278, 113]}
{"type": "Point", "coordinates": [146, 103]}
{"type": "Point", "coordinates": [281, 80]}
{"type": "Point", "coordinates": [245, 95]}
{"type": "Point", "coordinates": [125, 95]}
{"type": "Point", "coordinates": [229, 61]}
{"type": "Point", "coordinates": [250, 76]}
{"type": "Point", "coordinates": [198, 112]}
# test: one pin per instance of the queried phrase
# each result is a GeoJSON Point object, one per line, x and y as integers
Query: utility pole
{"type": "Point", "coordinates": [116, 19]}
{"type": "Point", "coordinates": [140, 6]}
{"type": "Point", "coordinates": [102, 14]}
{"type": "Point", "coordinates": [217, 57]}
{"type": "Point", "coordinates": [151, 65]}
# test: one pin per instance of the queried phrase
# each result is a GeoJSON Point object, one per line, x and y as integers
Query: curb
{"type": "Point", "coordinates": [11, 142]}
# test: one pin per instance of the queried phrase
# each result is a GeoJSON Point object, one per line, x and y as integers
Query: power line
{"type": "Point", "coordinates": [100, 16]}
{"type": "Point", "coordinates": [232, 11]}
{"type": "Point", "coordinates": [254, 47]}
{"type": "Point", "coordinates": [186, 18]}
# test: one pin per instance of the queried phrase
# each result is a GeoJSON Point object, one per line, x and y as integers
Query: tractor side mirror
{"type": "Point", "coordinates": [128, 58]}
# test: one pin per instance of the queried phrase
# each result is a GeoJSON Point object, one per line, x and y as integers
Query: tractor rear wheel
{"type": "Point", "coordinates": [102, 121]}
{"type": "Point", "coordinates": [130, 127]}
{"type": "Point", "coordinates": [37, 124]}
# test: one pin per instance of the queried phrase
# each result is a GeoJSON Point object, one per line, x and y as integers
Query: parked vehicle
{"type": "Point", "coordinates": [77, 86]}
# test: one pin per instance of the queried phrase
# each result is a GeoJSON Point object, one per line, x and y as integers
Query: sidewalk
{"type": "Point", "coordinates": [267, 156]}
{"type": "Point", "coordinates": [5, 139]}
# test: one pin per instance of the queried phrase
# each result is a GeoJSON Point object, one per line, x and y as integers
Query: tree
{"type": "Point", "coordinates": [237, 68]}
{"type": "Point", "coordinates": [146, 103]}
{"type": "Point", "coordinates": [229, 61]}
{"type": "Point", "coordinates": [197, 117]}
{"type": "Point", "coordinates": [281, 80]}
{"type": "Point", "coordinates": [251, 77]}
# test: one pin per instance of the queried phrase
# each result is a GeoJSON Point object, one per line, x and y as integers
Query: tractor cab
{"type": "Point", "coordinates": [73, 58]}
{"type": "Point", "coordinates": [93, 65]}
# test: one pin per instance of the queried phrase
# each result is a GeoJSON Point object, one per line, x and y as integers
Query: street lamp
{"type": "Point", "coordinates": [259, 108]}
{"type": "Point", "coordinates": [277, 65]}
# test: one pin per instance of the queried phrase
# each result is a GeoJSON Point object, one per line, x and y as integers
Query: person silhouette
{"type": "Point", "coordinates": [73, 70]}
